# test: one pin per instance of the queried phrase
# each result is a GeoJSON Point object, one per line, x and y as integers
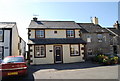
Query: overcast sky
{"type": "Point", "coordinates": [22, 11]}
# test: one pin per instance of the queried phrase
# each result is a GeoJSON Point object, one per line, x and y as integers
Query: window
{"type": "Point", "coordinates": [89, 51]}
{"type": "Point", "coordinates": [99, 37]}
{"type": "Point", "coordinates": [1, 52]}
{"type": "Point", "coordinates": [39, 51]}
{"type": "Point", "coordinates": [13, 59]}
{"type": "Point", "coordinates": [70, 33]}
{"type": "Point", "coordinates": [74, 50]}
{"type": "Point", "coordinates": [1, 35]}
{"type": "Point", "coordinates": [55, 32]}
{"type": "Point", "coordinates": [39, 33]}
{"type": "Point", "coordinates": [89, 38]}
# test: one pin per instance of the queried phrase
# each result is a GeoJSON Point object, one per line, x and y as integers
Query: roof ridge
{"type": "Point", "coordinates": [7, 22]}
{"type": "Point", "coordinates": [52, 21]}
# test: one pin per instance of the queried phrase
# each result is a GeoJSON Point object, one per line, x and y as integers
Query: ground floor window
{"type": "Point", "coordinates": [1, 35]}
{"type": "Point", "coordinates": [74, 50]}
{"type": "Point", "coordinates": [1, 52]}
{"type": "Point", "coordinates": [90, 52]}
{"type": "Point", "coordinates": [40, 51]}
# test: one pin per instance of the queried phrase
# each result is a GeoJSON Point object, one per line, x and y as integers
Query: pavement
{"type": "Point", "coordinates": [84, 70]}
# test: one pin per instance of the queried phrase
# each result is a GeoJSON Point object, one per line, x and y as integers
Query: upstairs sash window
{"type": "Point", "coordinates": [40, 34]}
{"type": "Point", "coordinates": [100, 36]}
{"type": "Point", "coordinates": [70, 33]}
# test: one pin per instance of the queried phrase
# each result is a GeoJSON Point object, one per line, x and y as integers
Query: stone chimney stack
{"type": "Point", "coordinates": [116, 25]}
{"type": "Point", "coordinates": [35, 18]}
{"type": "Point", "coordinates": [95, 20]}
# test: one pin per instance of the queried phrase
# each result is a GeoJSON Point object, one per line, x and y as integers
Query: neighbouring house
{"type": "Point", "coordinates": [11, 44]}
{"type": "Point", "coordinates": [52, 42]}
{"type": "Point", "coordinates": [22, 47]}
{"type": "Point", "coordinates": [97, 38]}
{"type": "Point", "coordinates": [115, 38]}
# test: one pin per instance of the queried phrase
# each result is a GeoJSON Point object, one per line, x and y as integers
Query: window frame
{"type": "Point", "coordinates": [2, 47]}
{"type": "Point", "coordinates": [89, 38]}
{"type": "Point", "coordinates": [70, 33]}
{"type": "Point", "coordinates": [78, 50]}
{"type": "Point", "coordinates": [39, 35]}
{"type": "Point", "coordinates": [90, 51]}
{"type": "Point", "coordinates": [35, 52]}
{"type": "Point", "coordinates": [2, 40]}
{"type": "Point", "coordinates": [100, 39]}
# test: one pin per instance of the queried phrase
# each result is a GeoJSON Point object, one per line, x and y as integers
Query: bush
{"type": "Point", "coordinates": [105, 59]}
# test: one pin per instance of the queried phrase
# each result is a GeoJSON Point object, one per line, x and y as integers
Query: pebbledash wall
{"type": "Point", "coordinates": [49, 32]}
{"type": "Point", "coordinates": [49, 59]}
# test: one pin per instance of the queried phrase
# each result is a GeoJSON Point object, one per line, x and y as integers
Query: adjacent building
{"type": "Point", "coordinates": [97, 38]}
{"type": "Point", "coordinates": [52, 42]}
{"type": "Point", "coordinates": [10, 41]}
{"type": "Point", "coordinates": [115, 38]}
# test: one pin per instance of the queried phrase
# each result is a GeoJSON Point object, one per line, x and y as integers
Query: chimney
{"type": "Point", "coordinates": [95, 20]}
{"type": "Point", "coordinates": [35, 18]}
{"type": "Point", "coordinates": [116, 25]}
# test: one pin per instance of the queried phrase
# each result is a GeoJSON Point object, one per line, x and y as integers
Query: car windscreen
{"type": "Point", "coordinates": [13, 60]}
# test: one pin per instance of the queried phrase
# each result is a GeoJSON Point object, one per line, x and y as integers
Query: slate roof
{"type": "Point", "coordinates": [116, 31]}
{"type": "Point", "coordinates": [53, 25]}
{"type": "Point", "coordinates": [92, 28]}
{"type": "Point", "coordinates": [57, 41]}
{"type": "Point", "coordinates": [7, 24]}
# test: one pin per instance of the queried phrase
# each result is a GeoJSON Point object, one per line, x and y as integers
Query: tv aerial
{"type": "Point", "coordinates": [35, 15]}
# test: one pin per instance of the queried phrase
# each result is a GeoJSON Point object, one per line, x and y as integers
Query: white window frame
{"type": "Point", "coordinates": [89, 38]}
{"type": "Point", "coordinates": [99, 36]}
{"type": "Point", "coordinates": [40, 51]}
{"type": "Point", "coordinates": [70, 33]}
{"type": "Point", "coordinates": [74, 50]}
{"type": "Point", "coordinates": [40, 33]}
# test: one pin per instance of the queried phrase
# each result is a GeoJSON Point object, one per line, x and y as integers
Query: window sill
{"type": "Point", "coordinates": [75, 55]}
{"type": "Point", "coordinates": [40, 57]}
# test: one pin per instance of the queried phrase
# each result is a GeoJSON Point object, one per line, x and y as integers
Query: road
{"type": "Point", "coordinates": [87, 70]}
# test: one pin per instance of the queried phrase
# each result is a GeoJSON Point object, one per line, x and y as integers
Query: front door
{"type": "Point", "coordinates": [58, 54]}
{"type": "Point", "coordinates": [115, 49]}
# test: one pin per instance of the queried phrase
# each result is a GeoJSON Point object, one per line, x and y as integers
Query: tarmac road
{"type": "Point", "coordinates": [87, 70]}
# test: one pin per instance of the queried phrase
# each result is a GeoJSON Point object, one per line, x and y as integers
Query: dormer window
{"type": "Point", "coordinates": [40, 33]}
{"type": "Point", "coordinates": [1, 35]}
{"type": "Point", "coordinates": [70, 33]}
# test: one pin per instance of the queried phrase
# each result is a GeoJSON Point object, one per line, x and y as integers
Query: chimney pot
{"type": "Point", "coordinates": [35, 18]}
{"type": "Point", "coordinates": [117, 25]}
{"type": "Point", "coordinates": [95, 20]}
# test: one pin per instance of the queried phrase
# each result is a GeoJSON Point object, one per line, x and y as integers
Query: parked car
{"type": "Point", "coordinates": [13, 66]}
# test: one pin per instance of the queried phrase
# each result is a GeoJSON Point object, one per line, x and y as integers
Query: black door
{"type": "Point", "coordinates": [115, 49]}
{"type": "Point", "coordinates": [58, 54]}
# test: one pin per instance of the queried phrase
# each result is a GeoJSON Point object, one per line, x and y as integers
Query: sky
{"type": "Point", "coordinates": [22, 12]}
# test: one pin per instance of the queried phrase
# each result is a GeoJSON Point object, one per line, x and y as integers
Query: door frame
{"type": "Point", "coordinates": [55, 54]}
